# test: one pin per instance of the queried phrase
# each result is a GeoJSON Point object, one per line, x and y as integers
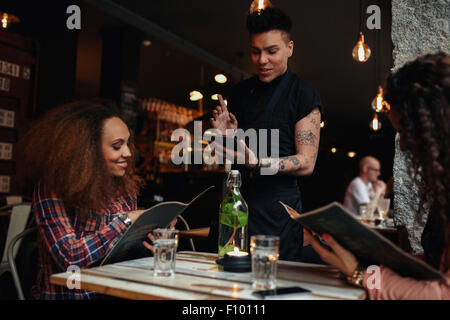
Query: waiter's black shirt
{"type": "Point", "coordinates": [249, 102]}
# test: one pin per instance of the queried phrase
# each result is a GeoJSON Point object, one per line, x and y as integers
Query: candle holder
{"type": "Point", "coordinates": [235, 263]}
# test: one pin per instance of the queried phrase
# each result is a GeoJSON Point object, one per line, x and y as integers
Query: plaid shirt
{"type": "Point", "coordinates": [65, 238]}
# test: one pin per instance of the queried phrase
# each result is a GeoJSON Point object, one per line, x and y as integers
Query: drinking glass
{"type": "Point", "coordinates": [365, 213]}
{"type": "Point", "coordinates": [165, 244]}
{"type": "Point", "coordinates": [264, 253]}
{"type": "Point", "coordinates": [383, 207]}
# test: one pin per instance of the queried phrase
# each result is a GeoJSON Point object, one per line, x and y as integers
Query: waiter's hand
{"type": "Point", "coordinates": [243, 155]}
{"type": "Point", "coordinates": [223, 119]}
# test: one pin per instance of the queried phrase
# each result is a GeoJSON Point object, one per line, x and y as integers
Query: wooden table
{"type": "Point", "coordinates": [198, 278]}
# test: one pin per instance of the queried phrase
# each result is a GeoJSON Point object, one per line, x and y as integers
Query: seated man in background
{"type": "Point", "coordinates": [366, 187]}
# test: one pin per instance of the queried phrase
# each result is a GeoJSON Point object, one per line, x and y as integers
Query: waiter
{"type": "Point", "coordinates": [274, 99]}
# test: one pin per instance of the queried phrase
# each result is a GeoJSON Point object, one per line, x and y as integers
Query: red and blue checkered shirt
{"type": "Point", "coordinates": [66, 238]}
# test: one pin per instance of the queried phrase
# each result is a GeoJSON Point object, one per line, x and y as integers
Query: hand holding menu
{"type": "Point", "coordinates": [159, 216]}
{"type": "Point", "coordinates": [368, 246]}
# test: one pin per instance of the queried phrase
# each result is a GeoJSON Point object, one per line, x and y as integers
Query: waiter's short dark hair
{"type": "Point", "coordinates": [271, 18]}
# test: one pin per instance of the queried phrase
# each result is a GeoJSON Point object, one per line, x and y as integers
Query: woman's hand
{"type": "Point", "coordinates": [150, 237]}
{"type": "Point", "coordinates": [336, 255]}
{"type": "Point", "coordinates": [134, 215]}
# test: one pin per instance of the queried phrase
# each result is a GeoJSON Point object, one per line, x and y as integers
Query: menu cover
{"type": "Point", "coordinates": [368, 246]}
{"type": "Point", "coordinates": [159, 216]}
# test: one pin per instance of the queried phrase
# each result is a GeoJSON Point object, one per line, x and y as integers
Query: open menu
{"type": "Point", "coordinates": [159, 216]}
{"type": "Point", "coordinates": [368, 246]}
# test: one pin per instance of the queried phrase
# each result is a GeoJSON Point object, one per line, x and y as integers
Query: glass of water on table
{"type": "Point", "coordinates": [264, 253]}
{"type": "Point", "coordinates": [165, 244]}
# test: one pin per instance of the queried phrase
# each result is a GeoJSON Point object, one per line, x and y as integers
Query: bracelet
{"type": "Point", "coordinates": [125, 218]}
{"type": "Point", "coordinates": [357, 276]}
{"type": "Point", "coordinates": [266, 165]}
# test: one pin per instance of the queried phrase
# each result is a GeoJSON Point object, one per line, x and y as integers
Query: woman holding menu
{"type": "Point", "coordinates": [419, 95]}
{"type": "Point", "coordinates": [82, 157]}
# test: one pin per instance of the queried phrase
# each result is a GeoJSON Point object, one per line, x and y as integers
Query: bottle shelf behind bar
{"type": "Point", "coordinates": [160, 119]}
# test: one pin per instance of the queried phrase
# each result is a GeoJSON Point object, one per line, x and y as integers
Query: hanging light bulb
{"type": "Point", "coordinates": [220, 78]}
{"type": "Point", "coordinates": [7, 19]}
{"type": "Point", "coordinates": [375, 124]}
{"type": "Point", "coordinates": [258, 5]}
{"type": "Point", "coordinates": [195, 95]}
{"type": "Point", "coordinates": [333, 150]}
{"type": "Point", "coordinates": [361, 52]}
{"type": "Point", "coordinates": [215, 97]}
{"type": "Point", "coordinates": [322, 124]}
{"type": "Point", "coordinates": [351, 154]}
{"type": "Point", "coordinates": [378, 103]}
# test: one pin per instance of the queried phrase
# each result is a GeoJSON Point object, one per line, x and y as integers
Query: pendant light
{"type": "Point", "coordinates": [375, 124]}
{"type": "Point", "coordinates": [378, 103]}
{"type": "Point", "coordinates": [361, 51]}
{"type": "Point", "coordinates": [258, 5]}
{"type": "Point", "coordinates": [7, 19]}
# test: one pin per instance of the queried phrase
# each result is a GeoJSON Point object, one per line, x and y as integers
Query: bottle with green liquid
{"type": "Point", "coordinates": [233, 217]}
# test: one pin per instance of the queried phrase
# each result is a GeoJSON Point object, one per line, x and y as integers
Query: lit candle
{"type": "Point", "coordinates": [237, 253]}
{"type": "Point", "coordinates": [236, 261]}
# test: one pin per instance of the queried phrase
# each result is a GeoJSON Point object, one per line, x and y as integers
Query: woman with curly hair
{"type": "Point", "coordinates": [419, 95]}
{"type": "Point", "coordinates": [81, 156]}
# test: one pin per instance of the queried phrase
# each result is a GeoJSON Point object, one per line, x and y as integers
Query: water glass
{"type": "Point", "coordinates": [264, 252]}
{"type": "Point", "coordinates": [362, 212]}
{"type": "Point", "coordinates": [165, 244]}
{"type": "Point", "coordinates": [383, 207]}
{"type": "Point", "coordinates": [365, 213]}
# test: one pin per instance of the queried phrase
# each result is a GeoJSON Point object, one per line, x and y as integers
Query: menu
{"type": "Point", "coordinates": [368, 246]}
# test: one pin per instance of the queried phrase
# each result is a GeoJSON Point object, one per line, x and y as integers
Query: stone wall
{"type": "Point", "coordinates": [419, 27]}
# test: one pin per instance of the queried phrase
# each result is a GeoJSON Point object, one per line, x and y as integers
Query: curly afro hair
{"type": "Point", "coordinates": [420, 93]}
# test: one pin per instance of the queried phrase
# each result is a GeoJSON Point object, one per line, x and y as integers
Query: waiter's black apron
{"type": "Point", "coordinates": [263, 193]}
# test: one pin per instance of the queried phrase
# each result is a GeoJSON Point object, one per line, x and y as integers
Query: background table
{"type": "Point", "coordinates": [198, 278]}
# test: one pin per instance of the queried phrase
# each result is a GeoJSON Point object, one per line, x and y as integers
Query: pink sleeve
{"type": "Point", "coordinates": [391, 286]}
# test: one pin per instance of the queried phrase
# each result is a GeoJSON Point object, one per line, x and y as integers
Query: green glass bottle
{"type": "Point", "coordinates": [233, 217]}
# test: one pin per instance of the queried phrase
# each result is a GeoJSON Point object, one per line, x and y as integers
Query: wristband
{"type": "Point", "coordinates": [357, 276]}
{"type": "Point", "coordinates": [125, 218]}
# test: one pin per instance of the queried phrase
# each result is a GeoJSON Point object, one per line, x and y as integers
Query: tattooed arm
{"type": "Point", "coordinates": [307, 136]}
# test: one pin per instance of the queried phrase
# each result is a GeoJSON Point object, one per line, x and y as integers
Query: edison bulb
{"type": "Point", "coordinates": [361, 52]}
{"type": "Point", "coordinates": [258, 5]}
{"type": "Point", "coordinates": [5, 20]}
{"type": "Point", "coordinates": [375, 124]}
{"type": "Point", "coordinates": [378, 103]}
